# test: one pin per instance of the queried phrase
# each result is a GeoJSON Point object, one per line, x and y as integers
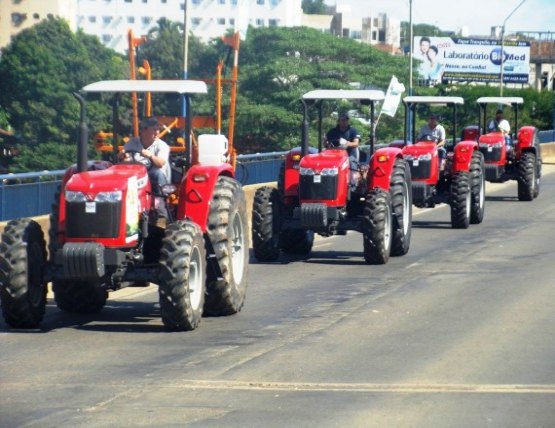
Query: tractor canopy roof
{"type": "Point", "coordinates": [508, 101]}
{"type": "Point", "coordinates": [346, 94]}
{"type": "Point", "coordinates": [414, 99]}
{"type": "Point", "coordinates": [171, 86]}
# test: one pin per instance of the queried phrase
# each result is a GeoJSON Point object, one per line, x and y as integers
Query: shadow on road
{"type": "Point", "coordinates": [502, 198]}
{"type": "Point", "coordinates": [117, 316]}
{"type": "Point", "coordinates": [423, 224]}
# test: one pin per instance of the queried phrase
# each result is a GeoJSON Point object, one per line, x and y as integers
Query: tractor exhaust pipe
{"type": "Point", "coordinates": [83, 137]}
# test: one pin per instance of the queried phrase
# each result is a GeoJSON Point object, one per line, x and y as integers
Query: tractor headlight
{"type": "Point", "coordinates": [110, 197]}
{"type": "Point", "coordinates": [426, 157]}
{"type": "Point", "coordinates": [75, 196]}
{"type": "Point", "coordinates": [306, 171]}
{"type": "Point", "coordinates": [329, 171]}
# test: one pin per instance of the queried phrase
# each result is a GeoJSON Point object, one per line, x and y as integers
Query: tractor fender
{"type": "Point", "coordinates": [526, 140]}
{"type": "Point", "coordinates": [381, 167]}
{"type": "Point", "coordinates": [196, 191]}
{"type": "Point", "coordinates": [463, 155]}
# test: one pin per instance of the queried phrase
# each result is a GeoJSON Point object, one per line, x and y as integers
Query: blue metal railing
{"type": "Point", "coordinates": [31, 194]}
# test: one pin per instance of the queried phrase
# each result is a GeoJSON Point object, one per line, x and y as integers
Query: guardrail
{"type": "Point", "coordinates": [31, 194]}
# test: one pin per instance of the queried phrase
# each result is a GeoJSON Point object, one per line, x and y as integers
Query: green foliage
{"type": "Point", "coordinates": [314, 7]}
{"type": "Point", "coordinates": [39, 70]}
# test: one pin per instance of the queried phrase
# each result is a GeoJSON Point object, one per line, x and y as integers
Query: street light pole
{"type": "Point", "coordinates": [410, 111]}
{"type": "Point", "coordinates": [503, 46]}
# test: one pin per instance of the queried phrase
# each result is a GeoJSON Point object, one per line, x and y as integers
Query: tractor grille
{"type": "Point", "coordinates": [493, 155]}
{"type": "Point", "coordinates": [326, 189]}
{"type": "Point", "coordinates": [104, 222]}
{"type": "Point", "coordinates": [422, 170]}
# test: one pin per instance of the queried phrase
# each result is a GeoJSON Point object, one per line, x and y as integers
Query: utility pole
{"type": "Point", "coordinates": [503, 46]}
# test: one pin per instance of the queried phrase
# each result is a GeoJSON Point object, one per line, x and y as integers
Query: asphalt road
{"type": "Point", "coordinates": [460, 332]}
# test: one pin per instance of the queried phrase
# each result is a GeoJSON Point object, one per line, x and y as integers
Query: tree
{"type": "Point", "coordinates": [314, 7]}
{"type": "Point", "coordinates": [39, 70]}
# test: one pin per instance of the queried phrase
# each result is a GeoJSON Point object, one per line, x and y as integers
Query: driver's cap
{"type": "Point", "coordinates": [149, 122]}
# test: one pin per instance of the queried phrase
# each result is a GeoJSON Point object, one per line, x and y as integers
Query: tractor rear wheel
{"type": "Point", "coordinates": [377, 227]}
{"type": "Point", "coordinates": [461, 200]}
{"type": "Point", "coordinates": [227, 226]}
{"type": "Point", "coordinates": [182, 282]}
{"type": "Point", "coordinates": [478, 187]}
{"type": "Point", "coordinates": [296, 241]}
{"type": "Point", "coordinates": [401, 202]}
{"type": "Point", "coordinates": [527, 175]}
{"type": "Point", "coordinates": [266, 224]}
{"type": "Point", "coordinates": [22, 287]}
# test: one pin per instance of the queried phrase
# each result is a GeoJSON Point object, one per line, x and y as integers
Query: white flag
{"type": "Point", "coordinates": [392, 97]}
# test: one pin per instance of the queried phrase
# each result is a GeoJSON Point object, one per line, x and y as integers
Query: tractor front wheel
{"type": "Point", "coordinates": [22, 287]}
{"type": "Point", "coordinates": [227, 226]}
{"type": "Point", "coordinates": [461, 200]}
{"type": "Point", "coordinates": [377, 227]}
{"type": "Point", "coordinates": [182, 282]}
{"type": "Point", "coordinates": [527, 173]}
{"type": "Point", "coordinates": [266, 224]}
{"type": "Point", "coordinates": [401, 202]}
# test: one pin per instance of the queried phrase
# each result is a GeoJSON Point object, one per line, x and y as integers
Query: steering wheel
{"type": "Point", "coordinates": [338, 143]}
{"type": "Point", "coordinates": [430, 137]}
{"type": "Point", "coordinates": [137, 158]}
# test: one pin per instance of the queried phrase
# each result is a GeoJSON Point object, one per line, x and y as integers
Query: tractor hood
{"type": "Point", "coordinates": [111, 179]}
{"type": "Point", "coordinates": [326, 159]}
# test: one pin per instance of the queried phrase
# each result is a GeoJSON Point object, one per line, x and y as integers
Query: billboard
{"type": "Point", "coordinates": [471, 60]}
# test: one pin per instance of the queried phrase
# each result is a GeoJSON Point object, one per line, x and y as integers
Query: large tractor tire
{"type": "Point", "coordinates": [22, 287]}
{"type": "Point", "coordinates": [478, 188]}
{"type": "Point", "coordinates": [401, 202]}
{"type": "Point", "coordinates": [538, 176]}
{"type": "Point", "coordinates": [461, 200]}
{"type": "Point", "coordinates": [527, 176]}
{"type": "Point", "coordinates": [79, 297]}
{"type": "Point", "coordinates": [377, 227]}
{"type": "Point", "coordinates": [266, 224]}
{"type": "Point", "coordinates": [227, 231]}
{"type": "Point", "coordinates": [182, 277]}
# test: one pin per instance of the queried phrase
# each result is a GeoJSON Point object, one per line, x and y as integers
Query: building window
{"type": "Point", "coordinates": [221, 21]}
{"type": "Point", "coordinates": [221, 1]}
{"type": "Point", "coordinates": [145, 1]}
{"type": "Point", "coordinates": [196, 1]}
{"type": "Point", "coordinates": [106, 38]}
{"type": "Point", "coordinates": [274, 2]}
{"type": "Point", "coordinates": [36, 16]}
{"type": "Point", "coordinates": [92, 19]}
{"type": "Point", "coordinates": [232, 21]}
{"type": "Point", "coordinates": [128, 1]}
{"type": "Point", "coordinates": [273, 22]}
{"type": "Point", "coordinates": [146, 20]}
{"type": "Point", "coordinates": [259, 1]}
{"type": "Point", "coordinates": [234, 2]}
{"type": "Point", "coordinates": [106, 19]}
{"type": "Point", "coordinates": [164, 1]}
{"type": "Point", "coordinates": [18, 18]}
{"type": "Point", "coordinates": [130, 19]}
{"type": "Point", "coordinates": [356, 35]}
{"type": "Point", "coordinates": [195, 21]}
{"type": "Point", "coordinates": [260, 22]}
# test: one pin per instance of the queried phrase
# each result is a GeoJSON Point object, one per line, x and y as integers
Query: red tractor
{"type": "Point", "coordinates": [318, 192]}
{"type": "Point", "coordinates": [102, 237]}
{"type": "Point", "coordinates": [459, 182]}
{"type": "Point", "coordinates": [517, 159]}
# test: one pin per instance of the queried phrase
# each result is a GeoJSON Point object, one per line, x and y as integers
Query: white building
{"type": "Point", "coordinates": [17, 15]}
{"type": "Point", "coordinates": [110, 20]}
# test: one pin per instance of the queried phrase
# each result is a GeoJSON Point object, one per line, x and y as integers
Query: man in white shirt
{"type": "Point", "coordinates": [154, 153]}
{"type": "Point", "coordinates": [502, 125]}
{"type": "Point", "coordinates": [433, 131]}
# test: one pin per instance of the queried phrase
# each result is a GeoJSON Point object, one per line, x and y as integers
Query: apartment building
{"type": "Point", "coordinates": [17, 15]}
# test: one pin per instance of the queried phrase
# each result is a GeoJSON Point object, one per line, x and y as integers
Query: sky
{"type": "Point", "coordinates": [478, 15]}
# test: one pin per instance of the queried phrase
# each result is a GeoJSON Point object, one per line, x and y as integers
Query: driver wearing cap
{"type": "Point", "coordinates": [344, 135]}
{"type": "Point", "coordinates": [154, 153]}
